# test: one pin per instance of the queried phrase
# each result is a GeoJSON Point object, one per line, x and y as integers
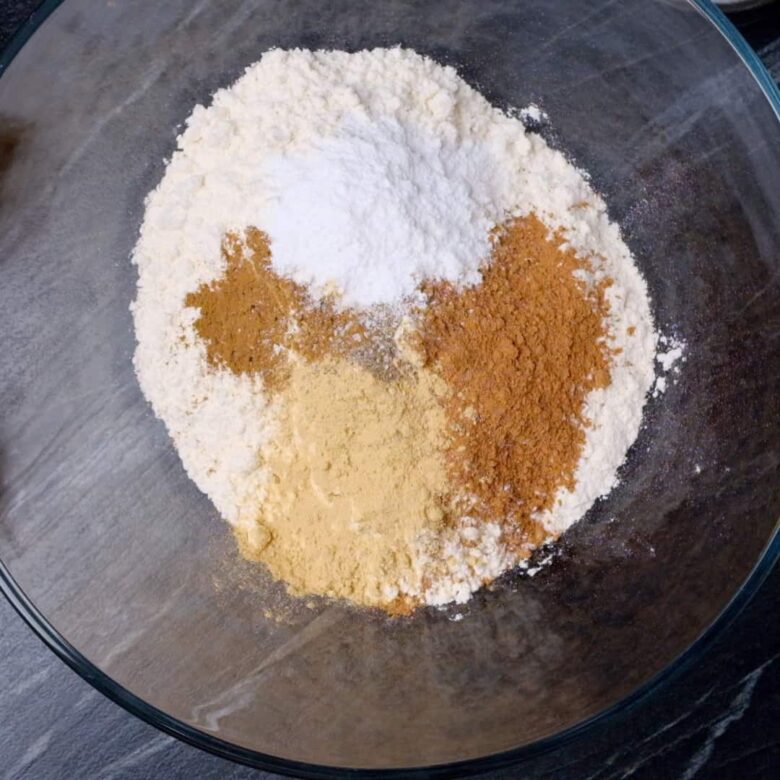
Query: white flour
{"type": "Point", "coordinates": [393, 169]}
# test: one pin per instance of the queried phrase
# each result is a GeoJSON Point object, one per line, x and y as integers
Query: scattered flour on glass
{"type": "Point", "coordinates": [532, 115]}
{"type": "Point", "coordinates": [395, 170]}
{"type": "Point", "coordinates": [671, 352]}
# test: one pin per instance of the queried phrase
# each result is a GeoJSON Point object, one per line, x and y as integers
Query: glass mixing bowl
{"type": "Point", "coordinates": [125, 569]}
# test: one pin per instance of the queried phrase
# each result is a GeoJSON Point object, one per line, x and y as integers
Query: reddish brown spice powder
{"type": "Point", "coordinates": [520, 352]}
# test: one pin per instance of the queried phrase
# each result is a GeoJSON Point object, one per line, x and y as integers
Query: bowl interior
{"type": "Point", "coordinates": [103, 531]}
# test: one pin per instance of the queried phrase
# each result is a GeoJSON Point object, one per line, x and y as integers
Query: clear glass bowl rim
{"type": "Point", "coordinates": [176, 728]}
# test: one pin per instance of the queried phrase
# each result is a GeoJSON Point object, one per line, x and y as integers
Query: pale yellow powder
{"type": "Point", "coordinates": [356, 477]}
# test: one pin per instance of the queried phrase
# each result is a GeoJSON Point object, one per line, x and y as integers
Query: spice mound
{"type": "Point", "coordinates": [394, 336]}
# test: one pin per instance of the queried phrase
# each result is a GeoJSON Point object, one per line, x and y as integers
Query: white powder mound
{"type": "Point", "coordinates": [357, 198]}
{"type": "Point", "coordinates": [369, 171]}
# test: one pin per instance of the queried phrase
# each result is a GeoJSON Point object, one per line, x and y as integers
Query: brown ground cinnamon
{"type": "Point", "coordinates": [520, 352]}
{"type": "Point", "coordinates": [250, 316]}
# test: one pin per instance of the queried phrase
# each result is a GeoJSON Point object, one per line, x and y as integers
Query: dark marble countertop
{"type": "Point", "coordinates": [716, 720]}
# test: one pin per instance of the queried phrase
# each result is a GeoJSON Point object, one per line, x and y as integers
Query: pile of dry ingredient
{"type": "Point", "coordinates": [394, 337]}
